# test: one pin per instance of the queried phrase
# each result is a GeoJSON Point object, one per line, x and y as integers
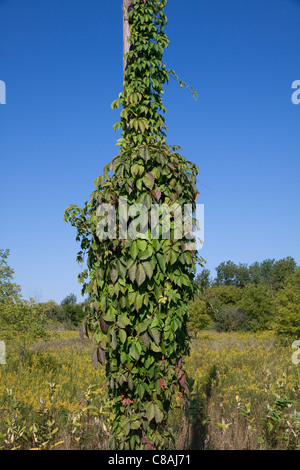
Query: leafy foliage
{"type": "Point", "coordinates": [270, 272]}
{"type": "Point", "coordinates": [203, 279]}
{"type": "Point", "coordinates": [288, 319]}
{"type": "Point", "coordinates": [72, 310]}
{"type": "Point", "coordinates": [199, 318]}
{"type": "Point", "coordinates": [23, 323]}
{"type": "Point", "coordinates": [8, 289]}
{"type": "Point", "coordinates": [259, 306]}
{"type": "Point", "coordinates": [258, 297]}
{"type": "Point", "coordinates": [231, 318]}
{"type": "Point", "coordinates": [140, 287]}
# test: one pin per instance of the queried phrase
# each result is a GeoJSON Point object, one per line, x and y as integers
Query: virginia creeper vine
{"type": "Point", "coordinates": [140, 288]}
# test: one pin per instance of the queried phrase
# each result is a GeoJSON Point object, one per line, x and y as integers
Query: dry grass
{"type": "Point", "coordinates": [245, 396]}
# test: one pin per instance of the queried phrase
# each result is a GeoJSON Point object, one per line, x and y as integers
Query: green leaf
{"type": "Point", "coordinates": [99, 181]}
{"type": "Point", "coordinates": [144, 153]}
{"type": "Point", "coordinates": [135, 424]}
{"type": "Point", "coordinates": [148, 269]}
{"type": "Point", "coordinates": [139, 301]}
{"type": "Point", "coordinates": [113, 339]}
{"type": "Point", "coordinates": [148, 180]}
{"type": "Point", "coordinates": [142, 245]}
{"type": "Point", "coordinates": [145, 254]}
{"type": "Point", "coordinates": [140, 389]}
{"type": "Point", "coordinates": [139, 184]}
{"type": "Point", "coordinates": [134, 353]}
{"type": "Point", "coordinates": [121, 269]}
{"type": "Point", "coordinates": [156, 244]}
{"type": "Point", "coordinates": [141, 125]}
{"type": "Point", "coordinates": [123, 321]}
{"type": "Point", "coordinates": [158, 414]}
{"type": "Point", "coordinates": [155, 323]}
{"type": "Point", "coordinates": [132, 272]}
{"type": "Point", "coordinates": [161, 262]}
{"type": "Point", "coordinates": [109, 317]}
{"type": "Point", "coordinates": [114, 275]}
{"type": "Point", "coordinates": [150, 412]}
{"type": "Point", "coordinates": [173, 257]}
{"type": "Point", "coordinates": [132, 297]}
{"type": "Point", "coordinates": [123, 336]}
{"type": "Point", "coordinates": [124, 357]}
{"type": "Point", "coordinates": [130, 382]}
{"type": "Point", "coordinates": [135, 170]}
{"type": "Point", "coordinates": [145, 340]}
{"type": "Point", "coordinates": [156, 335]}
{"type": "Point", "coordinates": [155, 348]}
{"type": "Point", "coordinates": [140, 274]}
{"type": "Point", "coordinates": [126, 429]}
{"type": "Point", "coordinates": [141, 327]}
{"type": "Point", "coordinates": [134, 250]}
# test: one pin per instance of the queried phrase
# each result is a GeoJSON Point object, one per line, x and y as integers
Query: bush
{"type": "Point", "coordinates": [199, 318]}
{"type": "Point", "coordinates": [288, 318]}
{"type": "Point", "coordinates": [231, 318]}
{"type": "Point", "coordinates": [259, 306]}
{"type": "Point", "coordinates": [226, 295]}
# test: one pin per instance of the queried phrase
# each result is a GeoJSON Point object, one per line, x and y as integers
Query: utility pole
{"type": "Point", "coordinates": [127, 7]}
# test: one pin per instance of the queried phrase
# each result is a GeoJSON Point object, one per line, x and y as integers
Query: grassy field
{"type": "Point", "coordinates": [245, 396]}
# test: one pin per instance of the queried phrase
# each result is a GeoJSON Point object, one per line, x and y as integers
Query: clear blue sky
{"type": "Point", "coordinates": [61, 61]}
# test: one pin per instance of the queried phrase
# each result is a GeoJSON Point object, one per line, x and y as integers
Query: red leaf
{"type": "Point", "coordinates": [161, 383]}
{"type": "Point", "coordinates": [156, 193]}
{"type": "Point", "coordinates": [182, 380]}
{"type": "Point", "coordinates": [103, 325]}
{"type": "Point", "coordinates": [150, 446]}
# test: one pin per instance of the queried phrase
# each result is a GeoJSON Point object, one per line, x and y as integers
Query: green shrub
{"type": "Point", "coordinates": [231, 318]}
{"type": "Point", "coordinates": [288, 318]}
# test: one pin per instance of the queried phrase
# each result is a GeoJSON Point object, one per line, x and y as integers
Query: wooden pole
{"type": "Point", "coordinates": [127, 7]}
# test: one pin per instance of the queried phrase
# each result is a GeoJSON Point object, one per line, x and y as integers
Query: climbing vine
{"type": "Point", "coordinates": [140, 286]}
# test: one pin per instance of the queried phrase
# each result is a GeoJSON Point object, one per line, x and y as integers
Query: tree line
{"type": "Point", "coordinates": [261, 296]}
{"type": "Point", "coordinates": [23, 322]}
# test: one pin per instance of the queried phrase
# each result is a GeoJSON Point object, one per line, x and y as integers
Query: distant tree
{"type": "Point", "coordinates": [203, 279]}
{"type": "Point", "coordinates": [242, 275]}
{"type": "Point", "coordinates": [71, 299]}
{"type": "Point", "coordinates": [266, 268]}
{"type": "Point", "coordinates": [8, 289]}
{"type": "Point", "coordinates": [255, 273]}
{"type": "Point", "coordinates": [199, 319]}
{"type": "Point", "coordinates": [55, 314]}
{"type": "Point", "coordinates": [22, 323]}
{"type": "Point", "coordinates": [231, 318]}
{"type": "Point", "coordinates": [259, 306]}
{"type": "Point", "coordinates": [226, 273]}
{"type": "Point", "coordinates": [231, 274]}
{"type": "Point", "coordinates": [52, 310]}
{"type": "Point", "coordinates": [271, 272]}
{"type": "Point", "coordinates": [72, 310]}
{"type": "Point", "coordinates": [282, 269]}
{"type": "Point", "coordinates": [288, 318]}
{"type": "Point", "coordinates": [217, 298]}
{"type": "Point", "coordinates": [226, 295]}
